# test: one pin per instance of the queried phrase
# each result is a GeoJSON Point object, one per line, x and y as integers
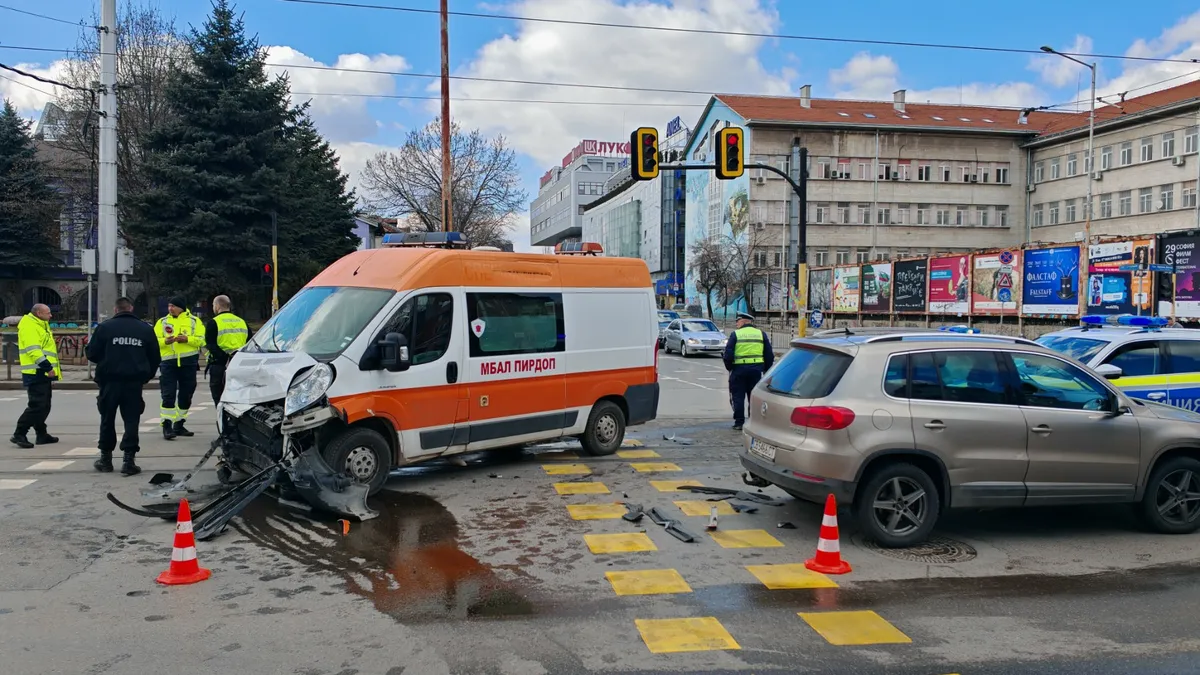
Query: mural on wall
{"type": "Point", "coordinates": [996, 283]}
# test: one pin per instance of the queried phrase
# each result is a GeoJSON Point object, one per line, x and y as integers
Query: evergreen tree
{"type": "Point", "coordinates": [29, 206]}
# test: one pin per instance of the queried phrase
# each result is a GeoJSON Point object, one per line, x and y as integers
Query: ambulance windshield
{"type": "Point", "coordinates": [320, 321]}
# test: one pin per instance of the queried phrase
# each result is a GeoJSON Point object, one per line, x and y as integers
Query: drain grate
{"type": "Point", "coordinates": [935, 550]}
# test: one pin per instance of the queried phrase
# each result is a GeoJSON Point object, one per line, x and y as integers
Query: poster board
{"type": "Point", "coordinates": [910, 285]}
{"type": "Point", "coordinates": [876, 288]}
{"type": "Point", "coordinates": [996, 283]}
{"type": "Point", "coordinates": [820, 290]}
{"type": "Point", "coordinates": [1184, 252]}
{"type": "Point", "coordinates": [1051, 282]}
{"type": "Point", "coordinates": [949, 285]}
{"type": "Point", "coordinates": [846, 289]}
{"type": "Point", "coordinates": [1112, 291]}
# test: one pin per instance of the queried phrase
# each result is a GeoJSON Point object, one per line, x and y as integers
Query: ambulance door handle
{"type": "Point", "coordinates": [452, 372]}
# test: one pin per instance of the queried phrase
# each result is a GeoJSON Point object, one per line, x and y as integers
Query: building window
{"type": "Point", "coordinates": [985, 175]}
{"type": "Point", "coordinates": [1145, 200]}
{"type": "Point", "coordinates": [902, 214]}
{"type": "Point", "coordinates": [777, 212]}
{"type": "Point", "coordinates": [1037, 215]}
{"type": "Point", "coordinates": [945, 173]}
{"type": "Point", "coordinates": [1190, 136]}
{"type": "Point", "coordinates": [1039, 172]}
{"type": "Point", "coordinates": [922, 214]}
{"type": "Point", "coordinates": [905, 171]}
{"type": "Point", "coordinates": [819, 215]}
{"type": "Point", "coordinates": [760, 258]}
{"type": "Point", "coordinates": [844, 213]}
{"type": "Point", "coordinates": [1053, 210]}
{"type": "Point", "coordinates": [778, 258]}
{"type": "Point", "coordinates": [1002, 175]}
{"type": "Point", "coordinates": [1168, 145]}
{"type": "Point", "coordinates": [823, 168]}
{"type": "Point", "coordinates": [1106, 158]}
{"type": "Point", "coordinates": [843, 257]}
{"type": "Point", "coordinates": [960, 215]}
{"type": "Point", "coordinates": [981, 212]}
{"type": "Point", "coordinates": [943, 216]}
{"type": "Point", "coordinates": [1055, 169]}
{"type": "Point", "coordinates": [885, 172]}
{"type": "Point", "coordinates": [1072, 165]}
{"type": "Point", "coordinates": [1002, 216]}
{"type": "Point", "coordinates": [966, 174]}
{"type": "Point", "coordinates": [863, 171]}
{"type": "Point", "coordinates": [1127, 153]}
{"type": "Point", "coordinates": [1125, 203]}
{"type": "Point", "coordinates": [884, 216]}
{"type": "Point", "coordinates": [925, 171]}
{"type": "Point", "coordinates": [864, 214]}
{"type": "Point", "coordinates": [843, 169]}
{"type": "Point", "coordinates": [1147, 149]}
{"type": "Point", "coordinates": [1187, 198]}
{"type": "Point", "coordinates": [1167, 194]}
{"type": "Point", "coordinates": [862, 256]}
{"type": "Point", "coordinates": [819, 258]}
{"type": "Point", "coordinates": [1070, 215]}
{"type": "Point", "coordinates": [1106, 205]}
{"type": "Point", "coordinates": [610, 166]}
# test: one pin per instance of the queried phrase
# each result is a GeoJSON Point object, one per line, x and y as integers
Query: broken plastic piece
{"type": "Point", "coordinates": [743, 508]}
{"type": "Point", "coordinates": [345, 526]}
{"type": "Point", "coordinates": [786, 526]}
{"type": "Point", "coordinates": [633, 513]}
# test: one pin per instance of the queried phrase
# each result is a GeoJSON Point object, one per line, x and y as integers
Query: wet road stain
{"type": "Point", "coordinates": [407, 562]}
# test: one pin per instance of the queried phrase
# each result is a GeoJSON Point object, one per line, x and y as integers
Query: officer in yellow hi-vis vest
{"type": "Point", "coordinates": [180, 337]}
{"type": "Point", "coordinates": [39, 367]}
{"type": "Point", "coordinates": [748, 355]}
{"type": "Point", "coordinates": [224, 334]}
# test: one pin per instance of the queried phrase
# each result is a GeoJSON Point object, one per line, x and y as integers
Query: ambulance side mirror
{"type": "Point", "coordinates": [393, 353]}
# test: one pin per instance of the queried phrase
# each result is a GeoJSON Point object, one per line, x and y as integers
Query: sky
{"type": "Point", "coordinates": [542, 122]}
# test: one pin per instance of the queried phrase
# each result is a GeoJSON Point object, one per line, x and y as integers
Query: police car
{"type": "Point", "coordinates": [1138, 354]}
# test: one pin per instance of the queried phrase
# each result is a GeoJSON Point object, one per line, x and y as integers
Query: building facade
{"type": "Point", "coordinates": [555, 215]}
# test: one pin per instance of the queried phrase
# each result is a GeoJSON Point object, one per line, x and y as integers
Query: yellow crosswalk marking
{"type": "Point", "coordinates": [701, 508]}
{"type": "Point", "coordinates": [745, 539]}
{"type": "Point", "coordinates": [654, 467]}
{"type": "Point", "coordinates": [854, 628]}
{"type": "Point", "coordinates": [795, 575]}
{"type": "Point", "coordinates": [667, 636]}
{"type": "Point", "coordinates": [591, 488]}
{"type": "Point", "coordinates": [637, 454]}
{"type": "Point", "coordinates": [631, 542]}
{"type": "Point", "coordinates": [566, 469]}
{"type": "Point", "coordinates": [672, 485]}
{"type": "Point", "coordinates": [595, 511]}
{"type": "Point", "coordinates": [647, 582]}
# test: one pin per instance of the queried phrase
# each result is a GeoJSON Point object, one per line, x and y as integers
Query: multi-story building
{"type": "Point", "coordinates": [554, 215]}
{"type": "Point", "coordinates": [1146, 174]}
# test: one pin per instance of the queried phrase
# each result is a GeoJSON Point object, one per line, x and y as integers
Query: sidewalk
{"type": "Point", "coordinates": [75, 378]}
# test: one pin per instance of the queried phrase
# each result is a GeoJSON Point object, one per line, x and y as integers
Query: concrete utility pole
{"type": "Point", "coordinates": [447, 187]}
{"type": "Point", "coordinates": [106, 262]}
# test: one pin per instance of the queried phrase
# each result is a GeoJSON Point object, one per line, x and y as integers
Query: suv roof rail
{"type": "Point", "coordinates": [898, 337]}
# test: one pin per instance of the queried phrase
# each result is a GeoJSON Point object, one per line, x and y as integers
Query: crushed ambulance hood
{"type": "Point", "coordinates": [261, 378]}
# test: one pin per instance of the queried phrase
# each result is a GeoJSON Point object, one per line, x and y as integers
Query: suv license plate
{"type": "Point", "coordinates": [761, 449]}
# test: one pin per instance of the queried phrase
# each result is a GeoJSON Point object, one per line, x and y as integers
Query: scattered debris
{"type": "Point", "coordinates": [743, 508]}
{"type": "Point", "coordinates": [671, 526]}
{"type": "Point", "coordinates": [738, 494]}
{"type": "Point", "coordinates": [675, 439]}
{"type": "Point", "coordinates": [494, 475]}
{"type": "Point", "coordinates": [633, 513]}
{"type": "Point", "coordinates": [786, 526]}
{"type": "Point", "coordinates": [712, 518]}
{"type": "Point", "coordinates": [345, 526]}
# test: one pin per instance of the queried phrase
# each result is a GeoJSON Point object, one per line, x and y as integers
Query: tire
{"type": "Point", "coordinates": [886, 527]}
{"type": "Point", "coordinates": [683, 350]}
{"type": "Point", "coordinates": [1162, 490]}
{"type": "Point", "coordinates": [363, 455]}
{"type": "Point", "coordinates": [605, 429]}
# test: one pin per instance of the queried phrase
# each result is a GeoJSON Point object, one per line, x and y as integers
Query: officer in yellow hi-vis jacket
{"type": "Point", "coordinates": [39, 368]}
{"type": "Point", "coordinates": [224, 334]}
{"type": "Point", "coordinates": [748, 354]}
{"type": "Point", "coordinates": [180, 337]}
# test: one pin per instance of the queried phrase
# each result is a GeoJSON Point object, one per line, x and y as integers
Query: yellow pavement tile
{"type": "Point", "coordinates": [672, 485]}
{"type": "Point", "coordinates": [701, 507]}
{"type": "Point", "coordinates": [629, 542]}
{"type": "Point", "coordinates": [632, 443]}
{"type": "Point", "coordinates": [591, 488]}
{"type": "Point", "coordinates": [854, 628]}
{"type": "Point", "coordinates": [667, 636]}
{"type": "Point", "coordinates": [777, 577]}
{"type": "Point", "coordinates": [745, 539]}
{"type": "Point", "coordinates": [653, 467]}
{"type": "Point", "coordinates": [637, 454]}
{"type": "Point", "coordinates": [566, 469]}
{"type": "Point", "coordinates": [595, 511]}
{"type": "Point", "coordinates": [647, 582]}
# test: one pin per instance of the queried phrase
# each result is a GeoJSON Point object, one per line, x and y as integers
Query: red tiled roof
{"type": "Point", "coordinates": [1137, 104]}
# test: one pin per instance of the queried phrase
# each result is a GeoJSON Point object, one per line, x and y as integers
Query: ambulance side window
{"type": "Point", "coordinates": [503, 324]}
{"type": "Point", "coordinates": [427, 322]}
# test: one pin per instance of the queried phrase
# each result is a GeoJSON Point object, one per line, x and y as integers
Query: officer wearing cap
{"type": "Point", "coordinates": [180, 338]}
{"type": "Point", "coordinates": [748, 355]}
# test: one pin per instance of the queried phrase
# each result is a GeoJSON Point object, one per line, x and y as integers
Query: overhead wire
{"type": "Point", "coordinates": [77, 24]}
{"type": "Point", "coordinates": [27, 86]}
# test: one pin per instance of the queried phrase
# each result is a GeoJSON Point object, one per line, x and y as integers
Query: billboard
{"type": "Point", "coordinates": [1051, 281]}
{"type": "Point", "coordinates": [1111, 291]}
{"type": "Point", "coordinates": [877, 287]}
{"type": "Point", "coordinates": [845, 289]}
{"type": "Point", "coordinates": [949, 285]}
{"type": "Point", "coordinates": [1184, 252]}
{"type": "Point", "coordinates": [996, 282]}
{"type": "Point", "coordinates": [820, 290]}
{"type": "Point", "coordinates": [909, 285]}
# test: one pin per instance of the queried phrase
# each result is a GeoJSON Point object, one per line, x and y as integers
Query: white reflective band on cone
{"type": "Point", "coordinates": [825, 545]}
{"type": "Point", "coordinates": [829, 521]}
{"type": "Point", "coordinates": [184, 528]}
{"type": "Point", "coordinates": [183, 554]}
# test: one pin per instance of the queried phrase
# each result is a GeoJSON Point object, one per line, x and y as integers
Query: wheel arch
{"type": "Point", "coordinates": [1170, 452]}
{"type": "Point", "coordinates": [381, 425]}
{"type": "Point", "coordinates": [927, 461]}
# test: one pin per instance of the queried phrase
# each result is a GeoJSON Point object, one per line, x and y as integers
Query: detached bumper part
{"type": "Point", "coordinates": [327, 490]}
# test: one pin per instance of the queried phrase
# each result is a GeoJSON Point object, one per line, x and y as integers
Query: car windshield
{"type": "Point", "coordinates": [664, 324]}
{"type": "Point", "coordinates": [1079, 348]}
{"type": "Point", "coordinates": [699, 327]}
{"type": "Point", "coordinates": [668, 314]}
{"type": "Point", "coordinates": [320, 321]}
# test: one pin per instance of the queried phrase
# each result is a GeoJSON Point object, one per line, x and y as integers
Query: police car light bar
{"type": "Point", "coordinates": [426, 239]}
{"type": "Point", "coordinates": [578, 248]}
{"type": "Point", "coordinates": [960, 329]}
{"type": "Point", "coordinates": [1128, 320]}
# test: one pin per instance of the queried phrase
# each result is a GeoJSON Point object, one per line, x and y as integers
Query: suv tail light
{"type": "Point", "coordinates": [829, 418]}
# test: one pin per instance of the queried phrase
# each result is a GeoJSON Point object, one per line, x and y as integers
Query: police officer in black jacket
{"type": "Point", "coordinates": [125, 351]}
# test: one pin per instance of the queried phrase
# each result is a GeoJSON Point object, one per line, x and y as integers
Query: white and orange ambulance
{"type": "Point", "coordinates": [424, 349]}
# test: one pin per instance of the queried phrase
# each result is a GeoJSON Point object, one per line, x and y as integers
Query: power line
{"type": "Point", "coordinates": [77, 24]}
{"type": "Point", "coordinates": [41, 79]}
{"type": "Point", "coordinates": [27, 86]}
{"type": "Point", "coordinates": [703, 31]}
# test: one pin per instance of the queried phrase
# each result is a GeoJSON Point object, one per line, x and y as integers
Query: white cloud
{"type": "Point", "coordinates": [1180, 42]}
{"type": "Point", "coordinates": [611, 56]}
{"type": "Point", "coordinates": [875, 78]}
{"type": "Point", "coordinates": [340, 118]}
{"type": "Point", "coordinates": [353, 156]}
{"type": "Point", "coordinates": [1058, 71]}
{"type": "Point", "coordinates": [27, 94]}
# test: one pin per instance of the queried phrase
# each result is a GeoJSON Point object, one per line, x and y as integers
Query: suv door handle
{"type": "Point", "coordinates": [935, 424]}
{"type": "Point", "coordinates": [452, 372]}
{"type": "Point", "coordinates": [1041, 429]}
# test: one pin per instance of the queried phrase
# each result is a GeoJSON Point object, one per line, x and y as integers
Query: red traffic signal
{"type": "Point", "coordinates": [731, 139]}
{"type": "Point", "coordinates": [266, 268]}
{"type": "Point", "coordinates": [648, 139]}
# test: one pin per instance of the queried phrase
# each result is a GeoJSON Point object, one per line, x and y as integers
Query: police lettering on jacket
{"type": "Point", "coordinates": [127, 341]}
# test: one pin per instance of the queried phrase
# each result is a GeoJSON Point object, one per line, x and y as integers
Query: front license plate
{"type": "Point", "coordinates": [761, 449]}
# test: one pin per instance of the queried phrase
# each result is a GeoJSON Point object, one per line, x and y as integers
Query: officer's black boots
{"type": "Point", "coordinates": [45, 439]}
{"type": "Point", "coordinates": [128, 468]}
{"type": "Point", "coordinates": [104, 464]}
{"type": "Point", "coordinates": [168, 431]}
{"type": "Point", "coordinates": [21, 441]}
{"type": "Point", "coordinates": [180, 430]}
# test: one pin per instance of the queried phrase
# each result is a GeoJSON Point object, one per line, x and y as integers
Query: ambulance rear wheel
{"type": "Point", "coordinates": [361, 454]}
{"type": "Point", "coordinates": [605, 429]}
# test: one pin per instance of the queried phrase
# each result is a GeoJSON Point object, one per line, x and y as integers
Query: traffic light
{"type": "Point", "coordinates": [267, 278]}
{"type": "Point", "coordinates": [643, 153]}
{"type": "Point", "coordinates": [731, 160]}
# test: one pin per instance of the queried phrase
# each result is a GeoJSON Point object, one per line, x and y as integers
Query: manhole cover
{"type": "Point", "coordinates": [934, 550]}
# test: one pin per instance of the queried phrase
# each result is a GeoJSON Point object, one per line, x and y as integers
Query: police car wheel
{"type": "Point", "coordinates": [361, 454]}
{"type": "Point", "coordinates": [605, 429]}
{"type": "Point", "coordinates": [1169, 504]}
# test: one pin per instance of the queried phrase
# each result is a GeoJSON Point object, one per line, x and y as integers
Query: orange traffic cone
{"type": "Point", "coordinates": [185, 568]}
{"type": "Point", "coordinates": [829, 555]}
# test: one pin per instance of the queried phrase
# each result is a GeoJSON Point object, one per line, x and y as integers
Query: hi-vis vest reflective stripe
{"type": "Point", "coordinates": [36, 345]}
{"type": "Point", "coordinates": [749, 347]}
{"type": "Point", "coordinates": [232, 331]}
{"type": "Point", "coordinates": [184, 324]}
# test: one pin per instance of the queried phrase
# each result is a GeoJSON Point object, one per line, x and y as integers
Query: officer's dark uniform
{"type": "Point", "coordinates": [125, 351]}
{"type": "Point", "coordinates": [748, 355]}
{"type": "Point", "coordinates": [224, 334]}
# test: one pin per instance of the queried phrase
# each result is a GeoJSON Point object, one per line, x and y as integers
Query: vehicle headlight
{"type": "Point", "coordinates": [693, 341]}
{"type": "Point", "coordinates": [308, 389]}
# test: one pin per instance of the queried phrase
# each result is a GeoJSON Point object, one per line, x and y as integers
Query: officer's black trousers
{"type": "Point", "coordinates": [178, 384]}
{"type": "Point", "coordinates": [37, 410]}
{"type": "Point", "coordinates": [125, 398]}
{"type": "Point", "coordinates": [216, 380]}
{"type": "Point", "coordinates": [742, 380]}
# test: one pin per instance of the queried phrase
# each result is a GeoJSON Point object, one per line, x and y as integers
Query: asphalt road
{"type": "Point", "coordinates": [487, 569]}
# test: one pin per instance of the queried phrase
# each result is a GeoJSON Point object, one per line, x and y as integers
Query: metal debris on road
{"type": "Point", "coordinates": [633, 513]}
{"type": "Point", "coordinates": [739, 494]}
{"type": "Point", "coordinates": [671, 526]}
{"type": "Point", "coordinates": [786, 526]}
{"type": "Point", "coordinates": [675, 439]}
{"type": "Point", "coordinates": [743, 508]}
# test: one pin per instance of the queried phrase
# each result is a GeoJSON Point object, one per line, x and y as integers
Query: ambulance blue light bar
{"type": "Point", "coordinates": [426, 239]}
{"type": "Point", "coordinates": [1128, 320]}
{"type": "Point", "coordinates": [960, 329]}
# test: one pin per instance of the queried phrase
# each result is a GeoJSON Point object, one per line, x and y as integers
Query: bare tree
{"type": "Point", "coordinates": [710, 267]}
{"type": "Point", "coordinates": [746, 266]}
{"type": "Point", "coordinates": [486, 183]}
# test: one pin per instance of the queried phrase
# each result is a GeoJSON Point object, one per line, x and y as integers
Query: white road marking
{"type": "Point", "coordinates": [81, 452]}
{"type": "Point", "coordinates": [16, 483]}
{"type": "Point", "coordinates": [707, 379]}
{"type": "Point", "coordinates": [197, 408]}
{"type": "Point", "coordinates": [9, 398]}
{"type": "Point", "coordinates": [51, 465]}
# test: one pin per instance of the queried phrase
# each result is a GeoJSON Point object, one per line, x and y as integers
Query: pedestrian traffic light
{"type": "Point", "coordinates": [731, 161]}
{"type": "Point", "coordinates": [643, 153]}
{"type": "Point", "coordinates": [267, 278]}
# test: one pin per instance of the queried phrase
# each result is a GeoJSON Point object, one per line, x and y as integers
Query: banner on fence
{"type": "Point", "coordinates": [877, 288]}
{"type": "Point", "coordinates": [1111, 291]}
{"type": "Point", "coordinates": [911, 281]}
{"type": "Point", "coordinates": [820, 290]}
{"type": "Point", "coordinates": [1051, 281]}
{"type": "Point", "coordinates": [996, 282]}
{"type": "Point", "coordinates": [948, 285]}
{"type": "Point", "coordinates": [1184, 252]}
{"type": "Point", "coordinates": [845, 289]}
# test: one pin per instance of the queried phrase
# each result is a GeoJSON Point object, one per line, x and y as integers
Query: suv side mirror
{"type": "Point", "coordinates": [1108, 371]}
{"type": "Point", "coordinates": [393, 353]}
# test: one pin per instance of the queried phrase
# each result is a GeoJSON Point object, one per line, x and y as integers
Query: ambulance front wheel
{"type": "Point", "coordinates": [605, 429]}
{"type": "Point", "coordinates": [363, 454]}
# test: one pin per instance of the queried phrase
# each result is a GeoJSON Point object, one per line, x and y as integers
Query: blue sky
{"type": "Point", "coordinates": [542, 133]}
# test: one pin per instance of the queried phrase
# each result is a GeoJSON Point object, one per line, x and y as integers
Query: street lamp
{"type": "Point", "coordinates": [1087, 223]}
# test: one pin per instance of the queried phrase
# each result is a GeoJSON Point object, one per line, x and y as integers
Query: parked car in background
{"type": "Point", "coordinates": [694, 336]}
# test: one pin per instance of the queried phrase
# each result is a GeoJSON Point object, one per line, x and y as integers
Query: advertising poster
{"type": "Point", "coordinates": [845, 289]}
{"type": "Point", "coordinates": [1051, 281]}
{"type": "Point", "coordinates": [820, 290]}
{"type": "Point", "coordinates": [996, 282]}
{"type": "Point", "coordinates": [948, 285]}
{"type": "Point", "coordinates": [909, 285]}
{"type": "Point", "coordinates": [1111, 291]}
{"type": "Point", "coordinates": [1184, 251]}
{"type": "Point", "coordinates": [877, 288]}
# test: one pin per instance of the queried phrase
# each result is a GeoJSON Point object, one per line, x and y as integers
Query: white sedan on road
{"type": "Point", "coordinates": [694, 336]}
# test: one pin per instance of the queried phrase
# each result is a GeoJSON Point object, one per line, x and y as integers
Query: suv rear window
{"type": "Point", "coordinates": [808, 373]}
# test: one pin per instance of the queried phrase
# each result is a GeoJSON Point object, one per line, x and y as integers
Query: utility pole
{"type": "Point", "coordinates": [106, 263]}
{"type": "Point", "coordinates": [274, 263]}
{"type": "Point", "coordinates": [447, 188]}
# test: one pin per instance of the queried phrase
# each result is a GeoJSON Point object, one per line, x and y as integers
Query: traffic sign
{"type": "Point", "coordinates": [1161, 268]}
{"type": "Point", "coordinates": [1153, 268]}
{"type": "Point", "coordinates": [816, 319]}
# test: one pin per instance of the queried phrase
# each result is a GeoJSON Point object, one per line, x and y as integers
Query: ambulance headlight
{"type": "Point", "coordinates": [308, 389]}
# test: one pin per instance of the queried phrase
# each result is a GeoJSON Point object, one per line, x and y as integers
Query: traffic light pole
{"type": "Point", "coordinates": [274, 263]}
